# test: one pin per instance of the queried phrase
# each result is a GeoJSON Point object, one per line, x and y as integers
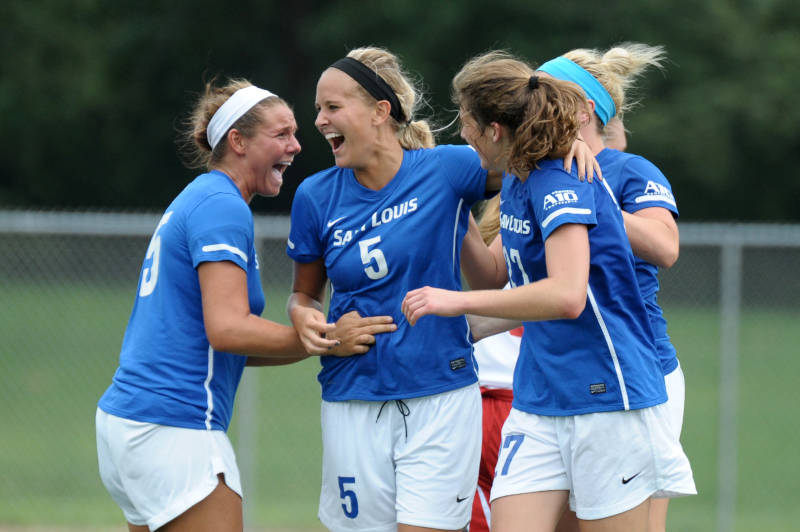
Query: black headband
{"type": "Point", "coordinates": [375, 85]}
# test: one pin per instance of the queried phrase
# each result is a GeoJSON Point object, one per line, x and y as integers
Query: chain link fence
{"type": "Point", "coordinates": [67, 284]}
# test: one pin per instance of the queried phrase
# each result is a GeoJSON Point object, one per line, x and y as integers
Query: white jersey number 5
{"type": "Point", "coordinates": [369, 255]}
{"type": "Point", "coordinates": [150, 275]}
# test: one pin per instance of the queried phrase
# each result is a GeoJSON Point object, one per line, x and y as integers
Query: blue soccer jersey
{"type": "Point", "coordinates": [605, 359]}
{"type": "Point", "coordinates": [168, 373]}
{"type": "Point", "coordinates": [638, 184]}
{"type": "Point", "coordinates": [379, 244]}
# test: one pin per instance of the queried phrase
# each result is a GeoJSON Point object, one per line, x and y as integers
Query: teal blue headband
{"type": "Point", "coordinates": [563, 68]}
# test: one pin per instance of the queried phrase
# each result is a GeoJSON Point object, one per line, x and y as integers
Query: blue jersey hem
{"type": "Point", "coordinates": [409, 395]}
{"type": "Point", "coordinates": [160, 421]}
{"type": "Point", "coordinates": [669, 365]}
{"type": "Point", "coordinates": [589, 410]}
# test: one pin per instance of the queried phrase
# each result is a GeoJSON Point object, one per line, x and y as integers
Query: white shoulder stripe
{"type": "Point", "coordinates": [225, 247]}
{"type": "Point", "coordinates": [565, 210]}
{"type": "Point", "coordinates": [655, 197]}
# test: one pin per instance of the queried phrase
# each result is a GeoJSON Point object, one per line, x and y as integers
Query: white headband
{"type": "Point", "coordinates": [232, 110]}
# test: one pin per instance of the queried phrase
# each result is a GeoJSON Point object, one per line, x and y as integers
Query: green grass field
{"type": "Point", "coordinates": [60, 348]}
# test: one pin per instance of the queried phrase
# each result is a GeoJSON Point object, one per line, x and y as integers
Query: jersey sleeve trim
{"type": "Point", "coordinates": [565, 210]}
{"type": "Point", "coordinates": [225, 247]}
{"type": "Point", "coordinates": [648, 198]}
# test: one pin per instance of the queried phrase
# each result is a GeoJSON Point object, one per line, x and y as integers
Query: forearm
{"type": "Point", "coordinates": [229, 324]}
{"type": "Point", "coordinates": [547, 299]}
{"type": "Point", "coordinates": [483, 326]}
{"type": "Point", "coordinates": [560, 295]}
{"type": "Point", "coordinates": [652, 240]}
{"type": "Point", "coordinates": [479, 264]}
{"type": "Point", "coordinates": [482, 272]}
{"type": "Point", "coordinates": [300, 301]}
{"type": "Point", "coordinates": [260, 338]}
{"type": "Point", "coordinates": [268, 361]}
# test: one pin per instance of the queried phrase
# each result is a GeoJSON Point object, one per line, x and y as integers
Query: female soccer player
{"type": "Point", "coordinates": [641, 190]}
{"type": "Point", "coordinates": [496, 356]}
{"type": "Point", "coordinates": [163, 452]}
{"type": "Point", "coordinates": [586, 422]}
{"type": "Point", "coordinates": [400, 426]}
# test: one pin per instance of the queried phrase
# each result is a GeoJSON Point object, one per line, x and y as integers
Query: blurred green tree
{"type": "Point", "coordinates": [92, 92]}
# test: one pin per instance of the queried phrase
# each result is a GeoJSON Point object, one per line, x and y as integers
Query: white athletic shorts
{"type": "Point", "coordinates": [155, 472]}
{"type": "Point", "coordinates": [676, 391]}
{"type": "Point", "coordinates": [381, 467]}
{"type": "Point", "coordinates": [610, 462]}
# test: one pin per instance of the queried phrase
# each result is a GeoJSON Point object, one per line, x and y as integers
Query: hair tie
{"type": "Point", "coordinates": [533, 82]}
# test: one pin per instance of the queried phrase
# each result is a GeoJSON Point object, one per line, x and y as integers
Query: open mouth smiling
{"type": "Point", "coordinates": [335, 140]}
{"type": "Point", "coordinates": [281, 167]}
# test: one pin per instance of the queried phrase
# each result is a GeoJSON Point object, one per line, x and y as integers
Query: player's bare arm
{"type": "Point", "coordinates": [653, 234]}
{"type": "Point", "coordinates": [351, 334]}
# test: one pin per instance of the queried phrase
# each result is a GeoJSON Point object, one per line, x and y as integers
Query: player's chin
{"type": "Point", "coordinates": [272, 186]}
{"type": "Point", "coordinates": [271, 191]}
{"type": "Point", "coordinates": [341, 162]}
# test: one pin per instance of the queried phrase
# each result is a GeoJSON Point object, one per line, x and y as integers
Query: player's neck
{"type": "Point", "coordinates": [236, 175]}
{"type": "Point", "coordinates": [592, 138]}
{"type": "Point", "coordinates": [383, 164]}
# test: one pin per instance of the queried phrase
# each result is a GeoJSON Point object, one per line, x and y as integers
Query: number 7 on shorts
{"type": "Point", "coordinates": [513, 441]}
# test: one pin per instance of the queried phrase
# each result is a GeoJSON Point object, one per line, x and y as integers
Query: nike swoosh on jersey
{"type": "Point", "coordinates": [331, 223]}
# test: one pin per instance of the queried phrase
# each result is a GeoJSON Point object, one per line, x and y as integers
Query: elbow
{"type": "Point", "coordinates": [671, 257]}
{"type": "Point", "coordinates": [501, 279]}
{"type": "Point", "coordinates": [486, 279]}
{"type": "Point", "coordinates": [574, 310]}
{"type": "Point", "coordinates": [221, 346]}
{"type": "Point", "coordinates": [572, 304]}
{"type": "Point", "coordinates": [494, 283]}
{"type": "Point", "coordinates": [667, 257]}
{"type": "Point", "coordinates": [221, 339]}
